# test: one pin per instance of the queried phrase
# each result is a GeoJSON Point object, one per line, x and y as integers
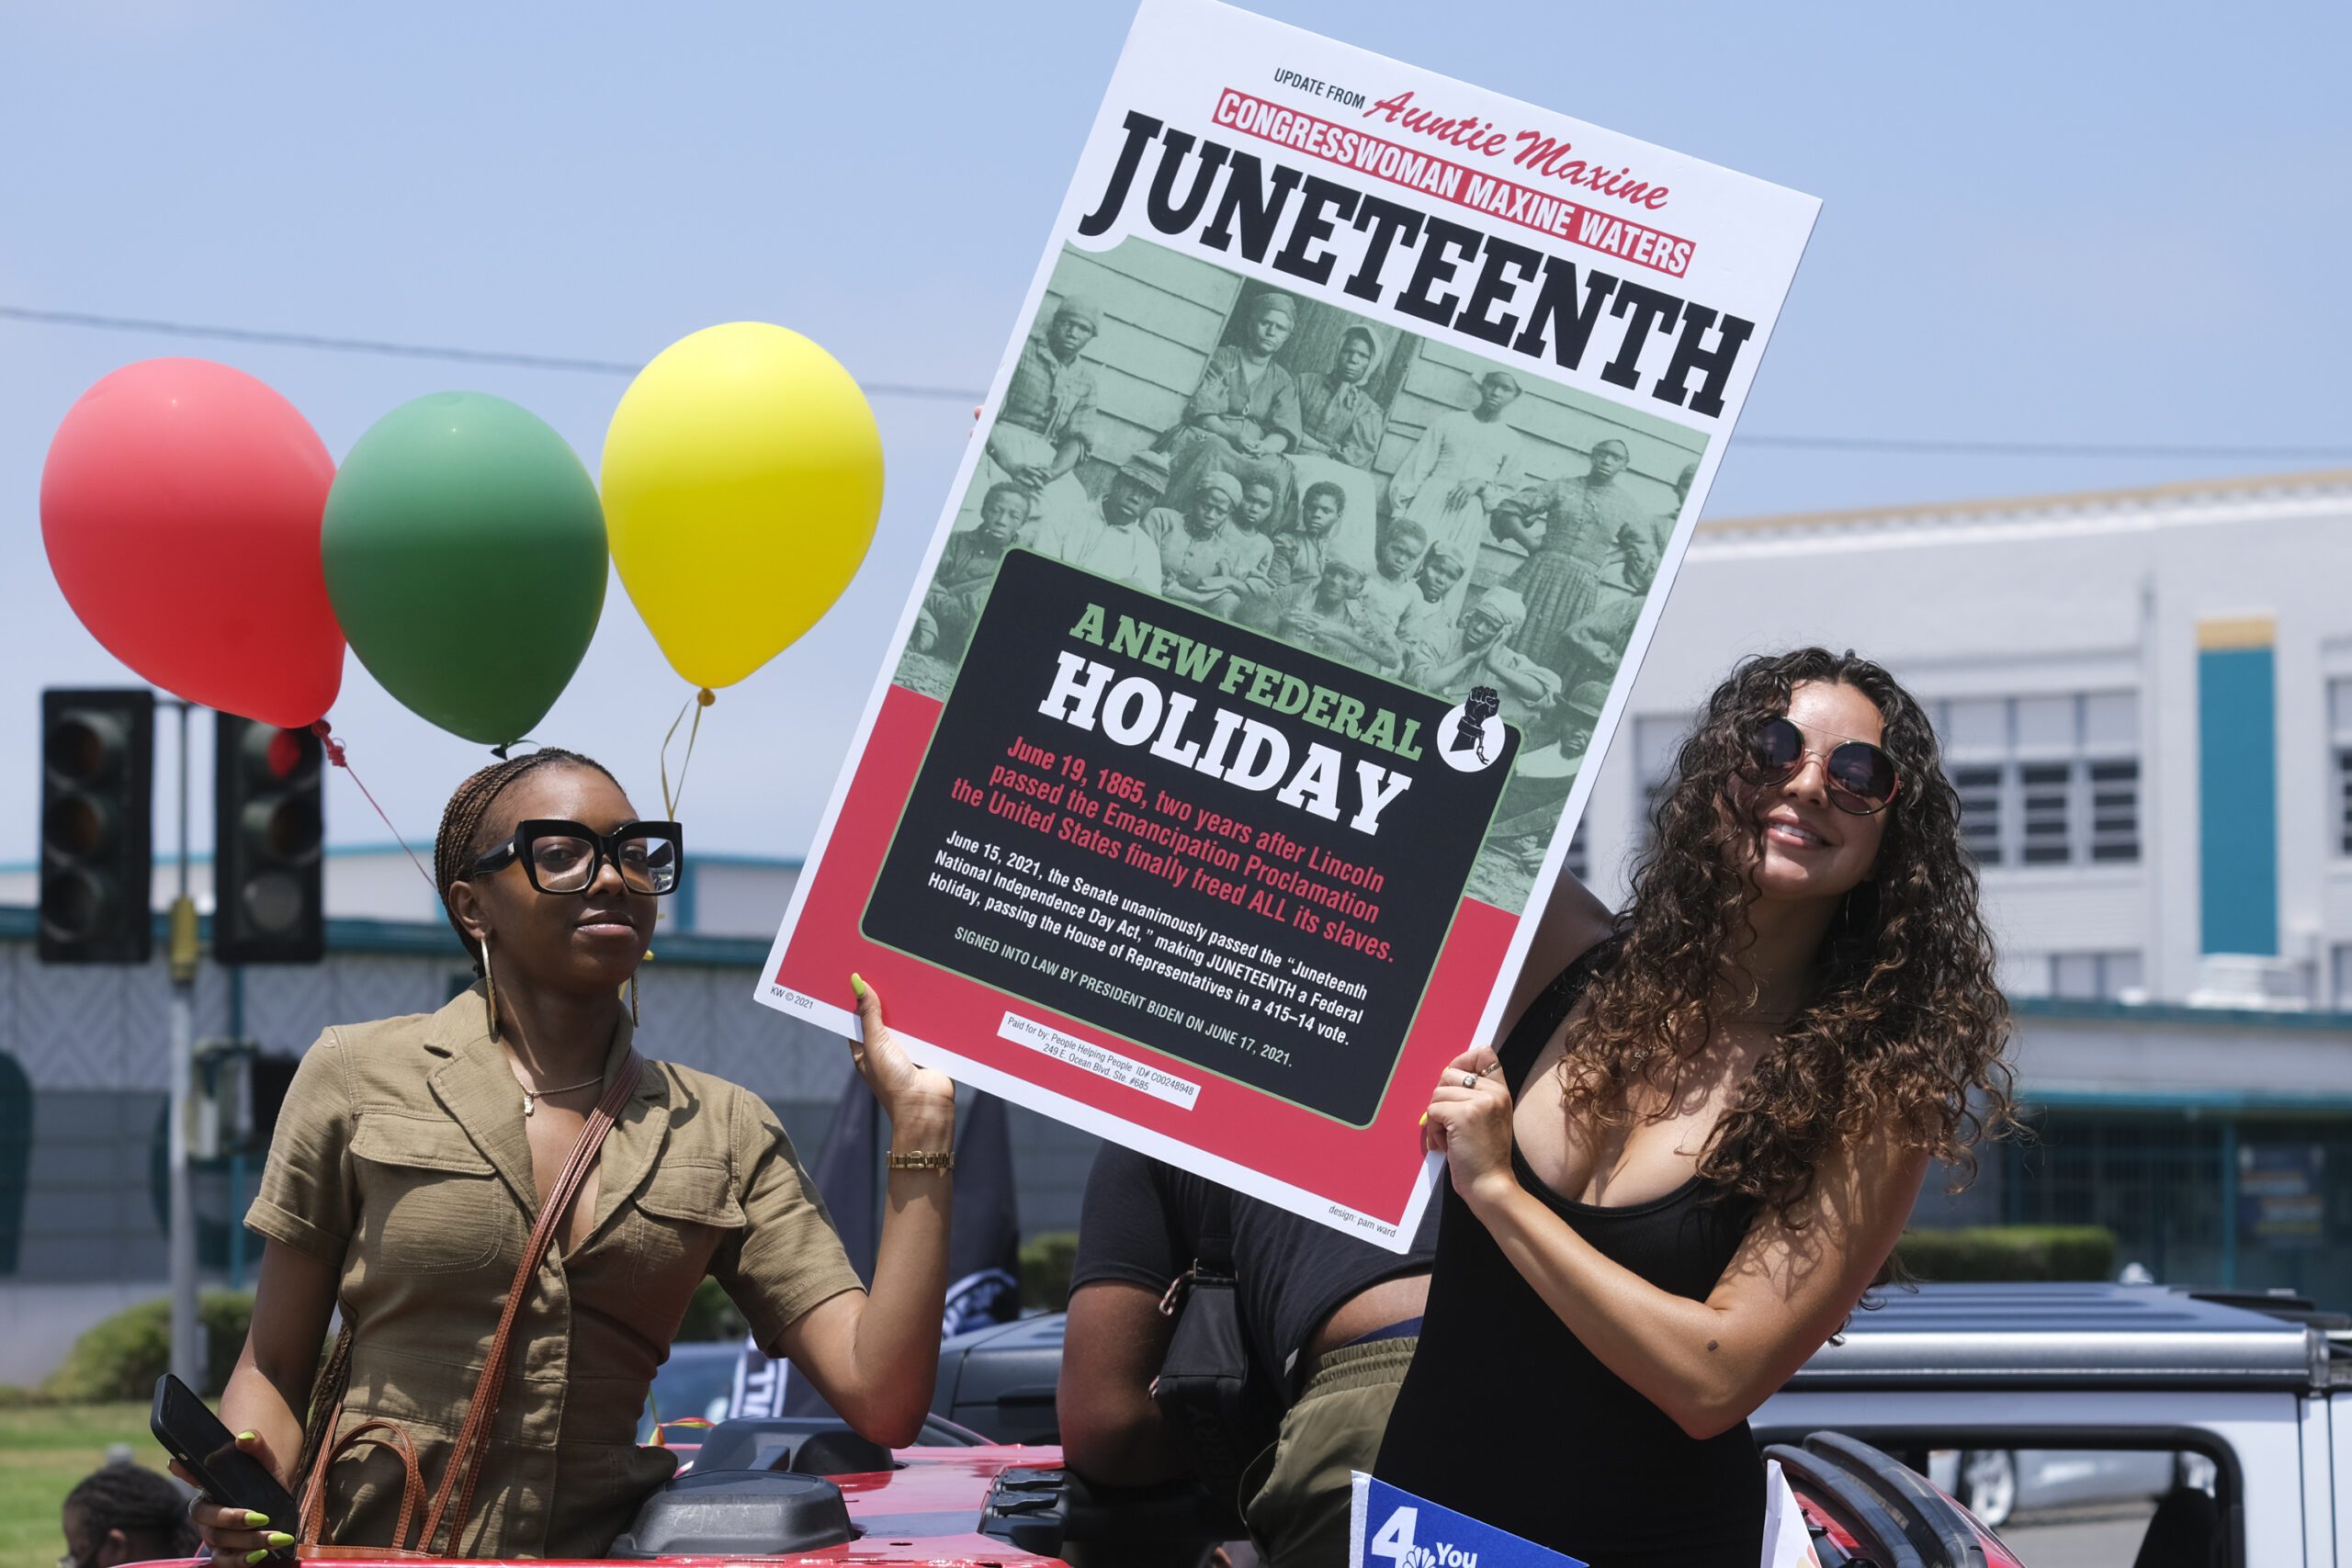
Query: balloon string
{"type": "Point", "coordinates": [336, 755]}
{"type": "Point", "coordinates": [699, 701]}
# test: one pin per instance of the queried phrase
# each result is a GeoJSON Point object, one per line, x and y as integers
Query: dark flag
{"type": "Point", "coordinates": [983, 1242]}
{"type": "Point", "coordinates": [848, 1175]}
{"type": "Point", "coordinates": [984, 1238]}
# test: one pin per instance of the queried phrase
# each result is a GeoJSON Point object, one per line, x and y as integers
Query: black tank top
{"type": "Point", "coordinates": [1506, 1416]}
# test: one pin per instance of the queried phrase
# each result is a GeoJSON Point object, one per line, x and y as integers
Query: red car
{"type": "Point", "coordinates": [811, 1492]}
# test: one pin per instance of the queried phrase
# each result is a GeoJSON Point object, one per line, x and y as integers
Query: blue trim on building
{"type": "Point", "coordinates": [2304, 1020]}
{"type": "Point", "coordinates": [2237, 788]}
{"type": "Point", "coordinates": [2219, 1100]}
{"type": "Point", "coordinates": [418, 939]}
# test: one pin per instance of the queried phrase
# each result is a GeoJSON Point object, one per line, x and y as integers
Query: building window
{"type": "Point", "coordinates": [1656, 742]}
{"type": "Point", "coordinates": [2050, 781]}
{"type": "Point", "coordinates": [2075, 976]}
{"type": "Point", "coordinates": [2339, 728]}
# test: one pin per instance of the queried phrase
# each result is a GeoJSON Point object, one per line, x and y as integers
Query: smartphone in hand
{"type": "Point", "coordinates": [191, 1434]}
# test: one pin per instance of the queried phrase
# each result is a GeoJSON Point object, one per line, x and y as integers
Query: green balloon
{"type": "Point", "coordinates": [465, 555]}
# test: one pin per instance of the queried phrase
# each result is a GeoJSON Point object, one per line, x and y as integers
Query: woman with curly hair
{"type": "Point", "coordinates": [1705, 1127]}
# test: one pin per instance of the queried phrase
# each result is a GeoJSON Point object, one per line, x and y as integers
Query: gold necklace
{"type": "Point", "coordinates": [531, 1097]}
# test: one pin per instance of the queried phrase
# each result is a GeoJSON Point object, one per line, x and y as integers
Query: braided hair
{"type": "Point", "coordinates": [456, 847]}
{"type": "Point", "coordinates": [149, 1509]}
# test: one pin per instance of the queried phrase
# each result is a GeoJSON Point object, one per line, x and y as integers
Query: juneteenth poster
{"type": "Point", "coordinates": [1351, 433]}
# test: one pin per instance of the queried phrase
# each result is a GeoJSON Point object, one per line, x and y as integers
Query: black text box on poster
{"type": "Point", "coordinates": [1105, 859]}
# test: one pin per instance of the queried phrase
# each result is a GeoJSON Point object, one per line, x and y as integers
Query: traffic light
{"type": "Point", "coordinates": [268, 830]}
{"type": "Point", "coordinates": [97, 755]}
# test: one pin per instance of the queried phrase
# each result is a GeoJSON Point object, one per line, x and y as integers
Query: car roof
{"type": "Point", "coordinates": [2035, 1335]}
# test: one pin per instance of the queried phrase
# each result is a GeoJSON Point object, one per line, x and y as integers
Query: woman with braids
{"type": "Point", "coordinates": [411, 1163]}
{"type": "Point", "coordinates": [1705, 1128]}
{"type": "Point", "coordinates": [124, 1514]}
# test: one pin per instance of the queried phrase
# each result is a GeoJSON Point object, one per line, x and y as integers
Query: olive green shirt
{"type": "Point", "coordinates": [400, 1158]}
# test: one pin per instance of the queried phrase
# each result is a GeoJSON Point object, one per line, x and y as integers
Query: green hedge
{"type": "Point", "coordinates": [2009, 1252]}
{"type": "Point", "coordinates": [711, 1316]}
{"type": "Point", "coordinates": [1045, 1270]}
{"type": "Point", "coordinates": [121, 1357]}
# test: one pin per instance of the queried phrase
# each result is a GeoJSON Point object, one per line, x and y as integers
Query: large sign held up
{"type": "Point", "coordinates": [1353, 431]}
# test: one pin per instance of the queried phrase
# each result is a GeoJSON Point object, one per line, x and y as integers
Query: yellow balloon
{"type": "Point", "coordinates": [742, 475]}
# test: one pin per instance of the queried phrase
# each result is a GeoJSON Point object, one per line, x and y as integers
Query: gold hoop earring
{"type": "Point", "coordinates": [490, 994]}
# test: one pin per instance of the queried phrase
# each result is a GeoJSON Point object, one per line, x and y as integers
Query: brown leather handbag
{"type": "Point", "coordinates": [321, 1448]}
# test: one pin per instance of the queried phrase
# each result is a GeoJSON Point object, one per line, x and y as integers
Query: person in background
{"type": "Point", "coordinates": [1640, 552]}
{"type": "Point", "coordinates": [1256, 513]}
{"type": "Point", "coordinates": [125, 1514]}
{"type": "Point", "coordinates": [968, 563]}
{"type": "Point", "coordinates": [1047, 423]}
{"type": "Point", "coordinates": [1204, 560]}
{"type": "Point", "coordinates": [1594, 647]}
{"type": "Point", "coordinates": [1426, 624]}
{"type": "Point", "coordinates": [1338, 418]}
{"type": "Point", "coordinates": [1578, 538]}
{"type": "Point", "coordinates": [1298, 553]}
{"type": "Point", "coordinates": [1703, 1128]}
{"type": "Point", "coordinates": [1328, 1319]}
{"type": "Point", "coordinates": [1332, 617]}
{"type": "Point", "coordinates": [1107, 538]}
{"type": "Point", "coordinates": [1394, 586]}
{"type": "Point", "coordinates": [1461, 466]}
{"type": "Point", "coordinates": [1243, 414]}
{"type": "Point", "coordinates": [1479, 654]}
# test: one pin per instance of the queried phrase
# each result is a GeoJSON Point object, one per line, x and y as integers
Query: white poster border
{"type": "Point", "coordinates": [1174, 18]}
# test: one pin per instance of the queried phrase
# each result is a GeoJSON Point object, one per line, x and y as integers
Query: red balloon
{"type": "Point", "coordinates": [180, 507]}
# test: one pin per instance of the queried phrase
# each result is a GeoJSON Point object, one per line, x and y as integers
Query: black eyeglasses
{"type": "Point", "coordinates": [565, 857]}
{"type": "Point", "coordinates": [1861, 778]}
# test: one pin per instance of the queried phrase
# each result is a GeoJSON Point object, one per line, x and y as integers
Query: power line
{"type": "Point", "coordinates": [1910, 446]}
{"type": "Point", "coordinates": [403, 350]}
{"type": "Point", "coordinates": [1926, 445]}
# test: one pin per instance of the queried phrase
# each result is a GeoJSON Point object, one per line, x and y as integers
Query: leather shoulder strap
{"type": "Point", "coordinates": [473, 1438]}
{"type": "Point", "coordinates": [317, 1436]}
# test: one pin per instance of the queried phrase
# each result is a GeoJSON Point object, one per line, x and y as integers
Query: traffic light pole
{"type": "Point", "coordinates": [186, 1359]}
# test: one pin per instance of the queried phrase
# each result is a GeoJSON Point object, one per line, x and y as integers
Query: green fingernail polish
{"type": "Point", "coordinates": [246, 1436]}
{"type": "Point", "coordinates": [255, 1521]}
{"type": "Point", "coordinates": [280, 1538]}
{"type": "Point", "coordinates": [857, 984]}
{"type": "Point", "coordinates": [253, 1559]}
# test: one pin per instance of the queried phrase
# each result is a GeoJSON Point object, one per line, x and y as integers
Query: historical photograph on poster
{"type": "Point", "coordinates": [1303, 471]}
{"type": "Point", "coordinates": [1236, 730]}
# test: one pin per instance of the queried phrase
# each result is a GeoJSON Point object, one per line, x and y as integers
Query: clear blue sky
{"type": "Point", "coordinates": [2096, 224]}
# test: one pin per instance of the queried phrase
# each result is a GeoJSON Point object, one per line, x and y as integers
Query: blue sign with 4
{"type": "Point", "coordinates": [1390, 1528]}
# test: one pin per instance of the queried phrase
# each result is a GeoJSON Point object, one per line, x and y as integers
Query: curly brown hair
{"type": "Point", "coordinates": [1904, 1030]}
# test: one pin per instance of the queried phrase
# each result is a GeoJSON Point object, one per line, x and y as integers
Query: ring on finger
{"type": "Point", "coordinates": [1469, 1080]}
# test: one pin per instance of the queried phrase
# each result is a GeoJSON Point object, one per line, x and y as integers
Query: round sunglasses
{"type": "Point", "coordinates": [1861, 778]}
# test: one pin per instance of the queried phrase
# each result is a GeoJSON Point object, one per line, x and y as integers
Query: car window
{"type": "Point", "coordinates": [697, 1381]}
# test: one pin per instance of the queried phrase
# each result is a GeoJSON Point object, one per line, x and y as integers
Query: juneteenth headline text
{"type": "Point", "coordinates": [1402, 255]}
